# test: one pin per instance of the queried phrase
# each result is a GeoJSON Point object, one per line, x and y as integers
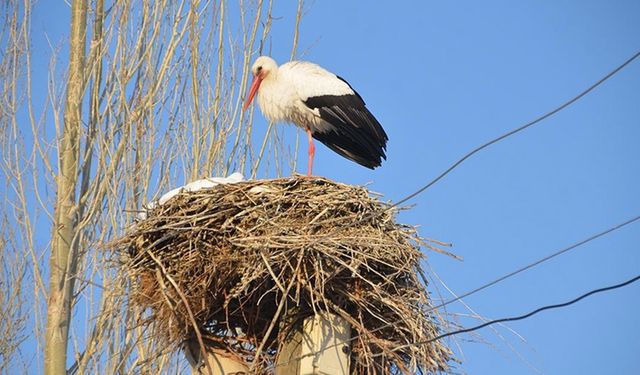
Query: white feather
{"type": "Point", "coordinates": [312, 80]}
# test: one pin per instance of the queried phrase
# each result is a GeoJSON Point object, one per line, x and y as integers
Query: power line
{"type": "Point", "coordinates": [524, 268]}
{"type": "Point", "coordinates": [537, 262]}
{"type": "Point", "coordinates": [517, 130]}
{"type": "Point", "coordinates": [525, 316]}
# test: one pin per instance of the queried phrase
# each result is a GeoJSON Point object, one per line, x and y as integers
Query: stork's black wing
{"type": "Point", "coordinates": [354, 132]}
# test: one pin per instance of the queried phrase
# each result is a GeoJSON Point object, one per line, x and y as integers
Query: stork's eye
{"type": "Point", "coordinates": [258, 69]}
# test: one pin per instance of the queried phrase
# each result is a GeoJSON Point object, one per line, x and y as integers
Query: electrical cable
{"type": "Point", "coordinates": [527, 315]}
{"type": "Point", "coordinates": [517, 130]}
{"type": "Point", "coordinates": [541, 260]}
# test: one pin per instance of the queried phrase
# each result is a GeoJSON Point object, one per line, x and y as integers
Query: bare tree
{"type": "Point", "coordinates": [149, 99]}
{"type": "Point", "coordinates": [13, 316]}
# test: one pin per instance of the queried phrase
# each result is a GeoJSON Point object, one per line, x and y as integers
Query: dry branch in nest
{"type": "Point", "coordinates": [246, 263]}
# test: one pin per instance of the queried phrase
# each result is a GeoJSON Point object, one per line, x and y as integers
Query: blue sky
{"type": "Point", "coordinates": [444, 77]}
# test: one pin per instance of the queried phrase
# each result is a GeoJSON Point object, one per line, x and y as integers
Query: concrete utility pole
{"type": "Point", "coordinates": [221, 363]}
{"type": "Point", "coordinates": [320, 347]}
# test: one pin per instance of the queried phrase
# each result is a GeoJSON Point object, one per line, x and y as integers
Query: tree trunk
{"type": "Point", "coordinates": [63, 255]}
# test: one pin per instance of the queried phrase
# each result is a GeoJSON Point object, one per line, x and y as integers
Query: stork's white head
{"type": "Point", "coordinates": [263, 68]}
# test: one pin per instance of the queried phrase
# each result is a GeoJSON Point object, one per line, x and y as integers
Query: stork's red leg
{"type": "Point", "coordinates": [312, 151]}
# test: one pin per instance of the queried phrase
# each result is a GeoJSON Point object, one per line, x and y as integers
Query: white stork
{"type": "Point", "coordinates": [323, 104]}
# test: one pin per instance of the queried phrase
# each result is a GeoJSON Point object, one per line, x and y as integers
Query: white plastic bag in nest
{"type": "Point", "coordinates": [205, 183]}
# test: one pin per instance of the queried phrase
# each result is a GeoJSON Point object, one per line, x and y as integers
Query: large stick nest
{"type": "Point", "coordinates": [244, 264]}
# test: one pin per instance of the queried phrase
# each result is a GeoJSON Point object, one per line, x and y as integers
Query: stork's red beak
{"type": "Point", "coordinates": [255, 85]}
